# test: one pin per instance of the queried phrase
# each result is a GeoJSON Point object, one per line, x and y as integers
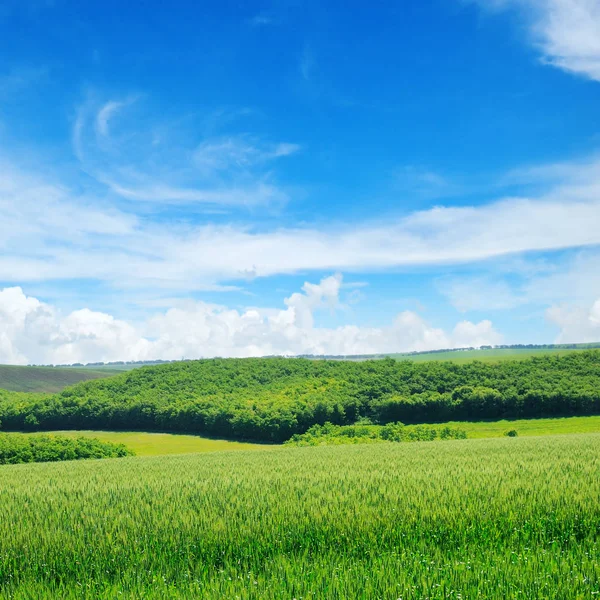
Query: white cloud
{"type": "Point", "coordinates": [567, 32]}
{"type": "Point", "coordinates": [468, 334]}
{"type": "Point", "coordinates": [576, 324]}
{"type": "Point", "coordinates": [32, 331]}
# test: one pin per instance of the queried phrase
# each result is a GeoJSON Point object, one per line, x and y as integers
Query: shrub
{"type": "Point", "coordinates": [367, 434]}
{"type": "Point", "coordinates": [20, 448]}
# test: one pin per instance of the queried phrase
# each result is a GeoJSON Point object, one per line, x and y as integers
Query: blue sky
{"type": "Point", "coordinates": [206, 179]}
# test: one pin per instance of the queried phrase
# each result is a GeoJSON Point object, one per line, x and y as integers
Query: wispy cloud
{"type": "Point", "coordinates": [566, 32]}
{"type": "Point", "coordinates": [142, 159]}
{"type": "Point", "coordinates": [426, 183]}
{"type": "Point", "coordinates": [107, 111]}
{"type": "Point", "coordinates": [72, 237]}
{"type": "Point", "coordinates": [239, 153]}
{"type": "Point", "coordinates": [262, 19]}
{"type": "Point", "coordinates": [307, 63]}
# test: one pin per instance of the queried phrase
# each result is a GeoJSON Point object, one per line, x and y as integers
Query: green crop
{"type": "Point", "coordinates": [498, 518]}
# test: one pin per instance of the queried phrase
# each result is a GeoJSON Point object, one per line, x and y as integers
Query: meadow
{"type": "Point", "coordinates": [159, 444]}
{"type": "Point", "coordinates": [498, 518]}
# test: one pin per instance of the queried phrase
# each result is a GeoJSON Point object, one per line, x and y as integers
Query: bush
{"type": "Point", "coordinates": [20, 448]}
{"type": "Point", "coordinates": [328, 434]}
{"type": "Point", "coordinates": [511, 433]}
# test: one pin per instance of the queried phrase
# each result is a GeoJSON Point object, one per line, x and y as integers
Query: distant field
{"type": "Point", "coordinates": [159, 444]}
{"type": "Point", "coordinates": [47, 379]}
{"type": "Point", "coordinates": [118, 368]}
{"type": "Point", "coordinates": [529, 427]}
{"type": "Point", "coordinates": [493, 355]}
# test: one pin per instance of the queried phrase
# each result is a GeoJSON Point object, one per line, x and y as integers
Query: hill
{"type": "Point", "coordinates": [273, 399]}
{"type": "Point", "coordinates": [47, 379]}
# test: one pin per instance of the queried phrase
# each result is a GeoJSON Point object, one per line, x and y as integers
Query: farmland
{"type": "Point", "coordinates": [47, 379]}
{"type": "Point", "coordinates": [501, 518]}
{"type": "Point", "coordinates": [194, 516]}
{"type": "Point", "coordinates": [494, 355]}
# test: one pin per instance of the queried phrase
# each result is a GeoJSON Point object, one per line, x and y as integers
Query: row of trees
{"type": "Point", "coordinates": [272, 399]}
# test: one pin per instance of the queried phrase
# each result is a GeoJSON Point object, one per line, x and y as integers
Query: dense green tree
{"type": "Point", "coordinates": [272, 399]}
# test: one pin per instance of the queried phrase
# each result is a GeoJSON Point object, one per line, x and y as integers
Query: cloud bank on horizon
{"type": "Point", "coordinates": [328, 212]}
{"type": "Point", "coordinates": [37, 332]}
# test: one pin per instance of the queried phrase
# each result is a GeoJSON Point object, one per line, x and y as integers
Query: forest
{"type": "Point", "coordinates": [272, 399]}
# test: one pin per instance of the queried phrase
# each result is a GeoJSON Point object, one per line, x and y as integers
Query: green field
{"type": "Point", "coordinates": [47, 379]}
{"type": "Point", "coordinates": [158, 444]}
{"type": "Point", "coordinates": [529, 427]}
{"type": "Point", "coordinates": [492, 355]}
{"type": "Point", "coordinates": [501, 518]}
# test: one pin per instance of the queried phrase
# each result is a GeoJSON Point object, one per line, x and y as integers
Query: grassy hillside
{"type": "Point", "coordinates": [472, 519]}
{"type": "Point", "coordinates": [272, 399]}
{"type": "Point", "coordinates": [47, 379]}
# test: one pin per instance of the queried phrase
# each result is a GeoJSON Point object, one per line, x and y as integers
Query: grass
{"type": "Point", "coordinates": [159, 444]}
{"type": "Point", "coordinates": [497, 518]}
{"type": "Point", "coordinates": [529, 427]}
{"type": "Point", "coordinates": [162, 444]}
{"type": "Point", "coordinates": [492, 355]}
{"type": "Point", "coordinates": [46, 379]}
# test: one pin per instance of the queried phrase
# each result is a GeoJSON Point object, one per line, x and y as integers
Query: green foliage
{"type": "Point", "coordinates": [327, 434]}
{"type": "Point", "coordinates": [511, 433]}
{"type": "Point", "coordinates": [19, 448]}
{"type": "Point", "coordinates": [273, 399]}
{"type": "Point", "coordinates": [492, 519]}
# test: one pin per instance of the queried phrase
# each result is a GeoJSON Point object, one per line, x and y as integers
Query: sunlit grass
{"type": "Point", "coordinates": [499, 518]}
{"type": "Point", "coordinates": [529, 427]}
{"type": "Point", "coordinates": [156, 444]}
